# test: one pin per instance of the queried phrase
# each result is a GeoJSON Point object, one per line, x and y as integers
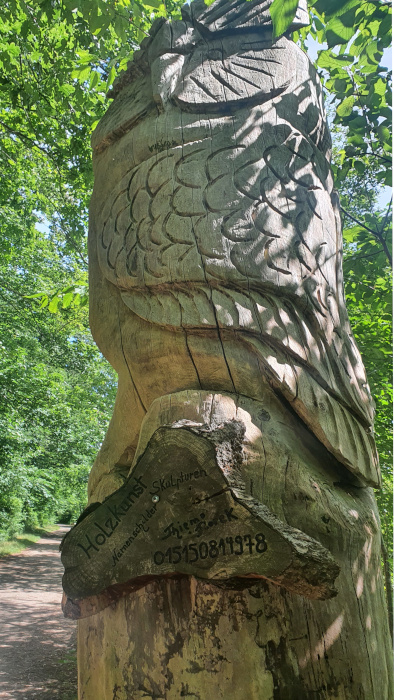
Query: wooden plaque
{"type": "Point", "coordinates": [184, 509]}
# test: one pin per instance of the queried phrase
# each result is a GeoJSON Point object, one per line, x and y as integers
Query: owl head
{"type": "Point", "coordinates": [190, 61]}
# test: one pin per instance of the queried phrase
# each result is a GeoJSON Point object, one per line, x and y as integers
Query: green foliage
{"type": "Point", "coordinates": [55, 397]}
{"type": "Point", "coordinates": [17, 544]}
{"type": "Point", "coordinates": [282, 14]}
{"type": "Point", "coordinates": [56, 391]}
{"type": "Point", "coordinates": [368, 286]}
{"type": "Point", "coordinates": [356, 34]}
{"type": "Point", "coordinates": [58, 60]}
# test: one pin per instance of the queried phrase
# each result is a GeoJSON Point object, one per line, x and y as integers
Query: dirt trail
{"type": "Point", "coordinates": [37, 644]}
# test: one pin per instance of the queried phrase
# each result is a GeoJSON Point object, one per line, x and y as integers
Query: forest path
{"type": "Point", "coordinates": [37, 644]}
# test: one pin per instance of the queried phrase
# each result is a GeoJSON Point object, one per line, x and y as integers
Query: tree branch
{"type": "Point", "coordinates": [25, 138]}
{"type": "Point", "coordinates": [360, 257]}
{"type": "Point", "coordinates": [376, 234]}
{"type": "Point", "coordinates": [385, 159]}
{"type": "Point", "coordinates": [386, 216]}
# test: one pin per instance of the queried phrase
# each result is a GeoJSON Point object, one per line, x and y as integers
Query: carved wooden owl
{"type": "Point", "coordinates": [214, 208]}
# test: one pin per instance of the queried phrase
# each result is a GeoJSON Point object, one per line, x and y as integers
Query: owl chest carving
{"type": "Point", "coordinates": [220, 212]}
{"type": "Point", "coordinates": [229, 183]}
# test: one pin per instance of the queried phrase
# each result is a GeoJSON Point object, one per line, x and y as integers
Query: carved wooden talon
{"type": "Point", "coordinates": [185, 509]}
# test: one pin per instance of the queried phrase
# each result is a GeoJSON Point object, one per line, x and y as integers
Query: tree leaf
{"type": "Point", "coordinates": [282, 13]}
{"type": "Point", "coordinates": [326, 59]}
{"type": "Point", "coordinates": [346, 106]}
{"type": "Point", "coordinates": [337, 32]}
{"type": "Point", "coordinates": [53, 304]}
{"type": "Point", "coordinates": [380, 87]}
{"type": "Point", "coordinates": [152, 3]}
{"type": "Point", "coordinates": [67, 299]}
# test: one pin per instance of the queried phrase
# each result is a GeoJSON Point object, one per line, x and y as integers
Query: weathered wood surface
{"type": "Point", "coordinates": [176, 637]}
{"type": "Point", "coordinates": [171, 637]}
{"type": "Point", "coordinates": [217, 295]}
{"type": "Point", "coordinates": [188, 638]}
{"type": "Point", "coordinates": [216, 240]}
{"type": "Point", "coordinates": [186, 508]}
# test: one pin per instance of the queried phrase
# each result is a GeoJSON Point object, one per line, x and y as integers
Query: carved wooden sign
{"type": "Point", "coordinates": [184, 509]}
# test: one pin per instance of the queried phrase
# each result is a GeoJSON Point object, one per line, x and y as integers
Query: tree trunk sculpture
{"type": "Point", "coordinates": [231, 546]}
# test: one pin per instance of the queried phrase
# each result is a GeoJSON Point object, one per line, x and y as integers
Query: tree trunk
{"type": "Point", "coordinates": [232, 496]}
{"type": "Point", "coordinates": [236, 638]}
{"type": "Point", "coordinates": [188, 638]}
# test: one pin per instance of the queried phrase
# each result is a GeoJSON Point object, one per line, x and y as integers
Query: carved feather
{"type": "Point", "coordinates": [229, 219]}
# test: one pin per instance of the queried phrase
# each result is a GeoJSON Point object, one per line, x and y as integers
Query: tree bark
{"type": "Point", "coordinates": [187, 638]}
